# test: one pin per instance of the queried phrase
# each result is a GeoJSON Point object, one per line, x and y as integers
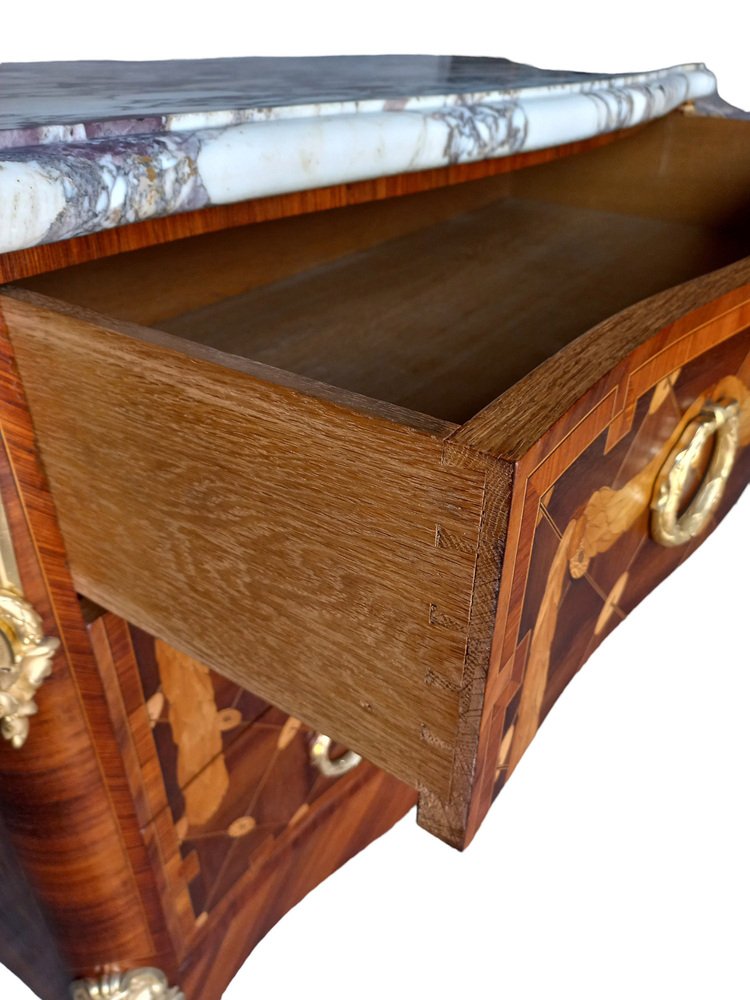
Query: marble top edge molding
{"type": "Point", "coordinates": [60, 111]}
{"type": "Point", "coordinates": [60, 181]}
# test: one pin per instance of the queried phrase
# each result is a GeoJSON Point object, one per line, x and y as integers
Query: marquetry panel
{"type": "Point", "coordinates": [586, 505]}
{"type": "Point", "coordinates": [230, 803]}
{"type": "Point", "coordinates": [236, 770]}
{"type": "Point", "coordinates": [588, 432]}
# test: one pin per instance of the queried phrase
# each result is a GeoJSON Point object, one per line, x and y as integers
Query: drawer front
{"type": "Point", "coordinates": [584, 543]}
{"type": "Point", "coordinates": [239, 821]}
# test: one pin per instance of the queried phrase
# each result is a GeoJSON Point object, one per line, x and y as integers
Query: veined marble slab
{"type": "Point", "coordinates": [93, 145]}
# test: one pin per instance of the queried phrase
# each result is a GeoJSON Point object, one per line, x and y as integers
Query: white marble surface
{"type": "Point", "coordinates": [90, 146]}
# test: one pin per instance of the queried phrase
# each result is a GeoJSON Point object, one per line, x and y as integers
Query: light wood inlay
{"type": "Point", "coordinates": [196, 727]}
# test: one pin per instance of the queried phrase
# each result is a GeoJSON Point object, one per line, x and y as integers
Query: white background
{"type": "Point", "coordinates": [615, 863]}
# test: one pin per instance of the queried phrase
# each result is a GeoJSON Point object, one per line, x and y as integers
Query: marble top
{"type": "Point", "coordinates": [91, 145]}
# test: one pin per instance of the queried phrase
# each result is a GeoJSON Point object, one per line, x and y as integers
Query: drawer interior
{"type": "Point", "coordinates": [440, 301]}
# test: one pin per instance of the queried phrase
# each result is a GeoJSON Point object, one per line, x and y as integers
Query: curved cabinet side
{"type": "Point", "coordinates": [64, 797]}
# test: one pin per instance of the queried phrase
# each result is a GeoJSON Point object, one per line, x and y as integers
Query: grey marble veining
{"type": "Point", "coordinates": [88, 146]}
{"type": "Point", "coordinates": [36, 95]}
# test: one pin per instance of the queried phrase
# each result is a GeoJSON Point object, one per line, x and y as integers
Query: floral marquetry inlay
{"type": "Point", "coordinates": [238, 772]}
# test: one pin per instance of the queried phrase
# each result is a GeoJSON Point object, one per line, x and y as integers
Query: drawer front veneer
{"type": "Point", "coordinates": [581, 549]}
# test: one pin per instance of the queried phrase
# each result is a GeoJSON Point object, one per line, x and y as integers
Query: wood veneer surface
{"type": "Point", "coordinates": [579, 555]}
{"type": "Point", "coordinates": [64, 798]}
{"type": "Point", "coordinates": [365, 553]}
{"type": "Point", "coordinates": [239, 824]}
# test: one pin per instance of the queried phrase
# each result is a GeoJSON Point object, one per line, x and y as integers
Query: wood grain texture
{"type": "Point", "coordinates": [192, 273]}
{"type": "Point", "coordinates": [64, 796]}
{"type": "Point", "coordinates": [52, 256]}
{"type": "Point", "coordinates": [689, 170]}
{"type": "Point", "coordinates": [196, 730]}
{"type": "Point", "coordinates": [445, 319]}
{"type": "Point", "coordinates": [278, 827]}
{"type": "Point", "coordinates": [423, 725]}
{"type": "Point", "coordinates": [447, 816]}
{"type": "Point", "coordinates": [610, 517]}
{"type": "Point", "coordinates": [439, 302]}
{"type": "Point", "coordinates": [131, 719]}
{"type": "Point", "coordinates": [298, 385]}
{"type": "Point", "coordinates": [290, 543]}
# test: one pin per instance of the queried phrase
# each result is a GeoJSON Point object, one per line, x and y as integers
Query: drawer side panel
{"type": "Point", "coordinates": [293, 545]}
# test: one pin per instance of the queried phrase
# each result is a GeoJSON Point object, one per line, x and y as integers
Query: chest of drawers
{"type": "Point", "coordinates": [348, 398]}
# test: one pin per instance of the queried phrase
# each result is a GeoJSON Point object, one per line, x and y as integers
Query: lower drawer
{"type": "Point", "coordinates": [397, 476]}
{"type": "Point", "coordinates": [239, 821]}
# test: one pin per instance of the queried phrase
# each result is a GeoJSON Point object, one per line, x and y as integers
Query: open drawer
{"type": "Point", "coordinates": [399, 468]}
